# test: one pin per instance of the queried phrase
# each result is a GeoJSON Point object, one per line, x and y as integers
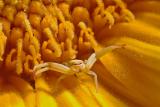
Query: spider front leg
{"type": "Point", "coordinates": [95, 78]}
{"type": "Point", "coordinates": [40, 71]}
{"type": "Point", "coordinates": [95, 56]}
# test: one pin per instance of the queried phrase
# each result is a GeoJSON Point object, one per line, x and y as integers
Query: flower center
{"type": "Point", "coordinates": [33, 32]}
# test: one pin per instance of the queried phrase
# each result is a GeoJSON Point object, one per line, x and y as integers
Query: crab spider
{"type": "Point", "coordinates": [75, 66]}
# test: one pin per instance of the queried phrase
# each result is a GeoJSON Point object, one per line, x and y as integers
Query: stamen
{"type": "Point", "coordinates": [53, 43]}
{"type": "Point", "coordinates": [26, 41]}
{"type": "Point", "coordinates": [27, 25]}
{"type": "Point", "coordinates": [53, 2]}
{"type": "Point", "coordinates": [3, 40]}
{"type": "Point", "coordinates": [66, 36]}
{"type": "Point", "coordinates": [127, 15]}
{"type": "Point", "coordinates": [19, 68]}
{"type": "Point", "coordinates": [46, 12]}
{"type": "Point", "coordinates": [109, 18]}
{"type": "Point", "coordinates": [1, 4]}
{"type": "Point", "coordinates": [48, 33]}
{"type": "Point", "coordinates": [36, 55]}
{"type": "Point", "coordinates": [0, 26]}
{"type": "Point", "coordinates": [88, 33]}
{"type": "Point", "coordinates": [59, 14]}
{"type": "Point", "coordinates": [9, 63]}
{"type": "Point", "coordinates": [82, 25]}
{"type": "Point", "coordinates": [65, 8]}
{"type": "Point", "coordinates": [120, 3]}
{"type": "Point", "coordinates": [35, 42]}
{"type": "Point", "coordinates": [28, 64]}
{"type": "Point", "coordinates": [111, 9]}
{"type": "Point", "coordinates": [100, 3]}
{"type": "Point", "coordinates": [50, 21]}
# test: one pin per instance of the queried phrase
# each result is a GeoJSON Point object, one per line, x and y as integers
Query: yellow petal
{"type": "Point", "coordinates": [144, 53]}
{"type": "Point", "coordinates": [87, 91]}
{"type": "Point", "coordinates": [43, 93]}
{"type": "Point", "coordinates": [62, 95]}
{"type": "Point", "coordinates": [9, 96]}
{"type": "Point", "coordinates": [106, 99]}
{"type": "Point", "coordinates": [127, 77]}
{"type": "Point", "coordinates": [148, 6]}
{"type": "Point", "coordinates": [82, 93]}
{"type": "Point", "coordinates": [25, 90]}
{"type": "Point", "coordinates": [136, 67]}
{"type": "Point", "coordinates": [136, 29]}
{"type": "Point", "coordinates": [149, 18]}
{"type": "Point", "coordinates": [102, 96]}
{"type": "Point", "coordinates": [43, 99]}
{"type": "Point", "coordinates": [67, 99]}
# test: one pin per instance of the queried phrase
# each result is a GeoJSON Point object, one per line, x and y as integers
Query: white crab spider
{"type": "Point", "coordinates": [73, 67]}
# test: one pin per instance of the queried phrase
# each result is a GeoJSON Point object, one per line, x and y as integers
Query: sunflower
{"type": "Point", "coordinates": [75, 53]}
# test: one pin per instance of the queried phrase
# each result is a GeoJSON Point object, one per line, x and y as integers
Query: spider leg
{"type": "Point", "coordinates": [43, 65]}
{"type": "Point", "coordinates": [58, 67]}
{"type": "Point", "coordinates": [41, 70]}
{"type": "Point", "coordinates": [93, 58]}
{"type": "Point", "coordinates": [95, 78]}
{"type": "Point", "coordinates": [108, 49]}
{"type": "Point", "coordinates": [58, 81]}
